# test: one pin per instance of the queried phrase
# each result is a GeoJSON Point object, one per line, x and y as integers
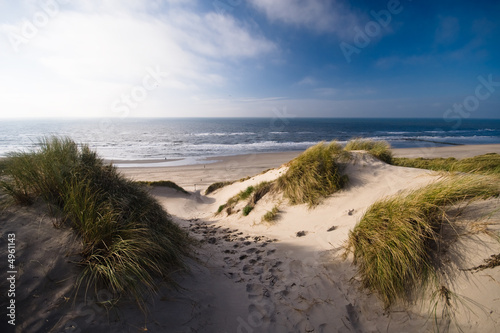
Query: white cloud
{"type": "Point", "coordinates": [92, 52]}
{"type": "Point", "coordinates": [307, 81]}
{"type": "Point", "coordinates": [217, 36]}
{"type": "Point", "coordinates": [318, 15]}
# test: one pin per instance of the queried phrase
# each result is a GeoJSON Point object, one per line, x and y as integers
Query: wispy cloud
{"type": "Point", "coordinates": [317, 15]}
{"type": "Point", "coordinates": [344, 93]}
{"type": "Point", "coordinates": [217, 36]}
{"type": "Point", "coordinates": [307, 81]}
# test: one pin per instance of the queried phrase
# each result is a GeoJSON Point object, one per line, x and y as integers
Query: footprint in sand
{"type": "Point", "coordinates": [255, 289]}
{"type": "Point", "coordinates": [271, 280]}
{"type": "Point", "coordinates": [247, 269]}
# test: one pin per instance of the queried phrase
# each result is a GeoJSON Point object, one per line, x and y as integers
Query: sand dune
{"type": "Point", "coordinates": [284, 276]}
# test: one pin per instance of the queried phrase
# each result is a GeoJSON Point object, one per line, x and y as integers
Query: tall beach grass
{"type": "Point", "coordinates": [313, 175]}
{"type": "Point", "coordinates": [396, 243]}
{"type": "Point", "coordinates": [128, 239]}
{"type": "Point", "coordinates": [484, 164]}
{"type": "Point", "coordinates": [378, 149]}
{"type": "Point", "coordinates": [252, 194]}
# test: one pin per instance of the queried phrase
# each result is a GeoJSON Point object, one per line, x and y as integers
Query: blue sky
{"type": "Point", "coordinates": [237, 58]}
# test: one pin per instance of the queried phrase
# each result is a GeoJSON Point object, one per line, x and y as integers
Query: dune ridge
{"type": "Point", "coordinates": [289, 275]}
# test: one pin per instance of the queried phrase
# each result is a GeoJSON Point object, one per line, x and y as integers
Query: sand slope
{"type": "Point", "coordinates": [252, 276]}
{"type": "Point", "coordinates": [300, 284]}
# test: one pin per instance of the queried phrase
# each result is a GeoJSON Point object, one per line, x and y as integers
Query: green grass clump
{"type": "Point", "coordinates": [255, 193]}
{"type": "Point", "coordinates": [260, 191]}
{"type": "Point", "coordinates": [128, 239]}
{"type": "Point", "coordinates": [243, 195]}
{"type": "Point", "coordinates": [216, 186]}
{"type": "Point", "coordinates": [395, 244]}
{"type": "Point", "coordinates": [378, 149]}
{"type": "Point", "coordinates": [221, 208]}
{"type": "Point", "coordinates": [247, 210]}
{"type": "Point", "coordinates": [2, 165]}
{"type": "Point", "coordinates": [271, 215]}
{"type": "Point", "coordinates": [484, 164]}
{"type": "Point", "coordinates": [313, 175]}
{"type": "Point", "coordinates": [164, 183]}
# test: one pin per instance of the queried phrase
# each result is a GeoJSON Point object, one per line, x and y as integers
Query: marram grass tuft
{"type": "Point", "coordinates": [128, 239]}
{"type": "Point", "coordinates": [395, 244]}
{"type": "Point", "coordinates": [378, 149]}
{"type": "Point", "coordinates": [313, 175]}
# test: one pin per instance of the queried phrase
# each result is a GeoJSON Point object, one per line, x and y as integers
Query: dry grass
{"type": "Point", "coordinates": [128, 238]}
{"type": "Point", "coordinates": [163, 183]}
{"type": "Point", "coordinates": [395, 243]}
{"type": "Point", "coordinates": [484, 164]}
{"type": "Point", "coordinates": [313, 175]}
{"type": "Point", "coordinates": [252, 194]}
{"type": "Point", "coordinates": [215, 186]}
{"type": "Point", "coordinates": [378, 149]}
{"type": "Point", "coordinates": [271, 215]}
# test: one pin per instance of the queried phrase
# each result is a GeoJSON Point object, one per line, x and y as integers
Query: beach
{"type": "Point", "coordinates": [289, 275]}
{"type": "Point", "coordinates": [228, 168]}
{"type": "Point", "coordinates": [300, 166]}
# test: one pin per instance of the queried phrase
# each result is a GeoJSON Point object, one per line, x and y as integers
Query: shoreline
{"type": "Point", "coordinates": [431, 151]}
{"type": "Point", "coordinates": [196, 177]}
{"type": "Point", "coordinates": [215, 169]}
{"type": "Point", "coordinates": [457, 151]}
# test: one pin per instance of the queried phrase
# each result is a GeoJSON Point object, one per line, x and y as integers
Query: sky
{"type": "Point", "coordinates": [249, 58]}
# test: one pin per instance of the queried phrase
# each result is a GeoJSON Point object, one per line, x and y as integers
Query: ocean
{"type": "Point", "coordinates": [191, 139]}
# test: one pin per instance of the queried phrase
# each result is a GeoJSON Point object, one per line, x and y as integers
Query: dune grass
{"type": "Point", "coordinates": [313, 175]}
{"type": "Point", "coordinates": [163, 183]}
{"type": "Point", "coordinates": [484, 164]}
{"type": "Point", "coordinates": [247, 209]}
{"type": "Point", "coordinates": [243, 195]}
{"type": "Point", "coordinates": [260, 190]}
{"type": "Point", "coordinates": [378, 149]}
{"type": "Point", "coordinates": [396, 243]}
{"type": "Point", "coordinates": [310, 177]}
{"type": "Point", "coordinates": [3, 165]}
{"type": "Point", "coordinates": [252, 194]}
{"type": "Point", "coordinates": [215, 186]}
{"type": "Point", "coordinates": [128, 239]}
{"type": "Point", "coordinates": [272, 215]}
